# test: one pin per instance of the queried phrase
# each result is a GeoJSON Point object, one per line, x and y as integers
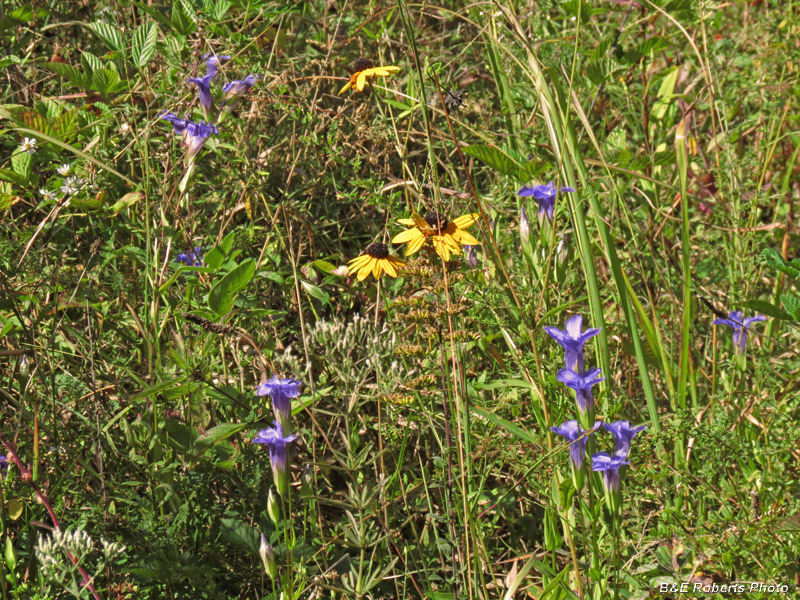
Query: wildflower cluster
{"type": "Point", "coordinates": [195, 134]}
{"type": "Point", "coordinates": [572, 339]}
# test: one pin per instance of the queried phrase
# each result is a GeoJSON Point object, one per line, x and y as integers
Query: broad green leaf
{"type": "Point", "coordinates": [223, 294]}
{"type": "Point", "coordinates": [90, 62]}
{"type": "Point", "coordinates": [143, 45]}
{"type": "Point", "coordinates": [110, 34]}
{"type": "Point", "coordinates": [792, 305]}
{"type": "Point", "coordinates": [105, 81]}
{"type": "Point", "coordinates": [13, 177]}
{"type": "Point", "coordinates": [14, 507]}
{"type": "Point", "coordinates": [21, 162]}
{"type": "Point", "coordinates": [771, 257]}
{"type": "Point", "coordinates": [768, 309]}
{"type": "Point", "coordinates": [495, 158]}
{"type": "Point", "coordinates": [68, 72]}
{"type": "Point", "coordinates": [315, 291]}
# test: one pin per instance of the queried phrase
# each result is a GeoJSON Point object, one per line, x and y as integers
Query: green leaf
{"type": "Point", "coordinates": [143, 45]}
{"type": "Point", "coordinates": [214, 257]}
{"type": "Point", "coordinates": [68, 72]}
{"type": "Point", "coordinates": [21, 162]}
{"type": "Point", "coordinates": [126, 201]}
{"type": "Point", "coordinates": [243, 535]}
{"type": "Point", "coordinates": [223, 294]}
{"type": "Point", "coordinates": [792, 305]}
{"type": "Point", "coordinates": [768, 309]}
{"type": "Point", "coordinates": [771, 257]}
{"type": "Point", "coordinates": [219, 433]}
{"type": "Point", "coordinates": [495, 158]}
{"type": "Point", "coordinates": [110, 34]}
{"type": "Point", "coordinates": [315, 291]}
{"type": "Point", "coordinates": [182, 20]}
{"type": "Point", "coordinates": [105, 81]}
{"type": "Point", "coordinates": [65, 126]}
{"type": "Point", "coordinates": [324, 266]}
{"type": "Point", "coordinates": [13, 177]}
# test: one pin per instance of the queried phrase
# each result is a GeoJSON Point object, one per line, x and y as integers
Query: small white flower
{"type": "Point", "coordinates": [47, 194]}
{"type": "Point", "coordinates": [28, 145]}
{"type": "Point", "coordinates": [71, 185]}
{"type": "Point", "coordinates": [63, 169]}
{"type": "Point", "coordinates": [341, 271]}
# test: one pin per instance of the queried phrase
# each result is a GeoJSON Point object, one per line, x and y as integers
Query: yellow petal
{"type": "Point", "coordinates": [450, 241]}
{"type": "Point", "coordinates": [465, 221]}
{"type": "Point", "coordinates": [376, 269]}
{"type": "Point", "coordinates": [415, 245]}
{"type": "Point", "coordinates": [345, 88]}
{"type": "Point", "coordinates": [357, 262]}
{"type": "Point", "coordinates": [365, 270]}
{"type": "Point", "coordinates": [361, 80]}
{"type": "Point", "coordinates": [389, 268]}
{"type": "Point", "coordinates": [406, 236]}
{"type": "Point", "coordinates": [442, 249]}
{"type": "Point", "coordinates": [462, 237]}
{"type": "Point", "coordinates": [384, 71]}
{"type": "Point", "coordinates": [408, 222]}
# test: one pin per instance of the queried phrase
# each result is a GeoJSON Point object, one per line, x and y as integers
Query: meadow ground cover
{"type": "Point", "coordinates": [394, 300]}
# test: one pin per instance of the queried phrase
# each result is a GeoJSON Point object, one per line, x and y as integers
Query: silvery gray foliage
{"type": "Point", "coordinates": [52, 552]}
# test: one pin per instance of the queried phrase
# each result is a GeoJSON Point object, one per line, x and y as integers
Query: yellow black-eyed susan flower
{"type": "Point", "coordinates": [375, 260]}
{"type": "Point", "coordinates": [447, 237]}
{"type": "Point", "coordinates": [364, 68]}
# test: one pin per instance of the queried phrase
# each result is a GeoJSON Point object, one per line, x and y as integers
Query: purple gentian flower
{"type": "Point", "coordinates": [194, 258]}
{"type": "Point", "coordinates": [234, 90]}
{"type": "Point", "coordinates": [582, 384]}
{"type": "Point", "coordinates": [194, 134]}
{"type": "Point", "coordinates": [213, 61]}
{"type": "Point", "coordinates": [524, 225]}
{"type": "Point", "coordinates": [281, 391]}
{"type": "Point", "coordinates": [178, 124]}
{"type": "Point", "coordinates": [740, 327]}
{"type": "Point", "coordinates": [274, 438]}
{"type": "Point", "coordinates": [3, 465]}
{"type": "Point", "coordinates": [623, 434]}
{"type": "Point", "coordinates": [610, 466]}
{"type": "Point", "coordinates": [572, 340]}
{"type": "Point", "coordinates": [571, 431]}
{"type": "Point", "coordinates": [204, 87]}
{"type": "Point", "coordinates": [545, 196]}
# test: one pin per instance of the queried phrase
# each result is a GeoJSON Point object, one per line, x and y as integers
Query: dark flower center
{"type": "Point", "coordinates": [362, 64]}
{"type": "Point", "coordinates": [436, 220]}
{"type": "Point", "coordinates": [377, 250]}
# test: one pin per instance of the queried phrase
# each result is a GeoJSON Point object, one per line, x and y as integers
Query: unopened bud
{"type": "Point", "coordinates": [524, 225]}
{"type": "Point", "coordinates": [273, 507]}
{"type": "Point", "coordinates": [267, 553]}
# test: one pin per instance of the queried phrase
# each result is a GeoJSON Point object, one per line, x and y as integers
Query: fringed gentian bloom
{"type": "Point", "coordinates": [545, 196]}
{"type": "Point", "coordinates": [194, 258]}
{"type": "Point", "coordinates": [194, 134]}
{"type": "Point", "coordinates": [623, 434]}
{"type": "Point", "coordinates": [610, 466]}
{"type": "Point", "coordinates": [234, 90]}
{"type": "Point", "coordinates": [582, 384]}
{"type": "Point", "coordinates": [740, 326]}
{"type": "Point", "coordinates": [524, 225]}
{"type": "Point", "coordinates": [276, 441]}
{"type": "Point", "coordinates": [572, 340]}
{"type": "Point", "coordinates": [204, 87]}
{"type": "Point", "coordinates": [213, 61]}
{"type": "Point", "coordinates": [572, 432]}
{"type": "Point", "coordinates": [281, 391]}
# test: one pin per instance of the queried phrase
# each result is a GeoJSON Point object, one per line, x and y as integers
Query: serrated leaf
{"type": "Point", "coordinates": [223, 294]}
{"type": "Point", "coordinates": [771, 257]}
{"type": "Point", "coordinates": [495, 158]}
{"type": "Point", "coordinates": [243, 535]}
{"type": "Point", "coordinates": [13, 177]}
{"type": "Point", "coordinates": [126, 201]}
{"type": "Point", "coordinates": [105, 81]}
{"type": "Point", "coordinates": [90, 62]}
{"type": "Point", "coordinates": [143, 45]}
{"type": "Point", "coordinates": [792, 305]}
{"type": "Point", "coordinates": [182, 20]}
{"type": "Point", "coordinates": [21, 162]}
{"type": "Point", "coordinates": [68, 72]}
{"type": "Point", "coordinates": [770, 310]}
{"type": "Point", "coordinates": [65, 126]}
{"type": "Point", "coordinates": [111, 35]}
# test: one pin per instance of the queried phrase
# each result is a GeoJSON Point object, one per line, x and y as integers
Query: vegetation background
{"type": "Point", "coordinates": [425, 467]}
